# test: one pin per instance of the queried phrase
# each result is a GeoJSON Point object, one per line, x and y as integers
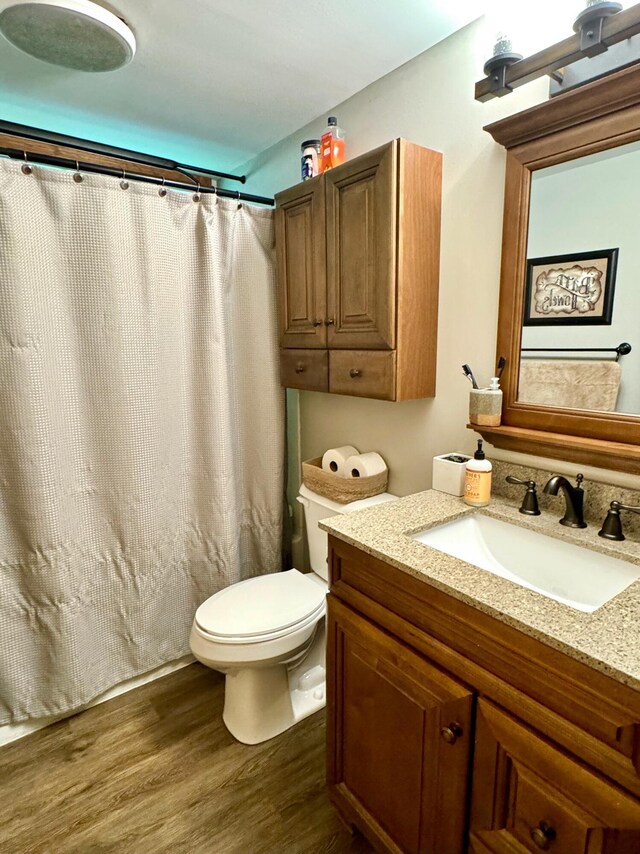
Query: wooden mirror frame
{"type": "Point", "coordinates": [601, 115]}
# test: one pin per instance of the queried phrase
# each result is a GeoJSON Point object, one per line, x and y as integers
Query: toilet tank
{"type": "Point", "coordinates": [317, 508]}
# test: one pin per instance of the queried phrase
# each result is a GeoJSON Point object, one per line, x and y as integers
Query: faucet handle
{"type": "Point", "coordinates": [579, 479]}
{"type": "Point", "coordinates": [529, 505]}
{"type": "Point", "coordinates": [612, 525]}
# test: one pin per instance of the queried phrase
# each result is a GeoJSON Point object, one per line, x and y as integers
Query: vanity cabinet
{"type": "Point", "coordinates": [449, 731]}
{"type": "Point", "coordinates": [358, 260]}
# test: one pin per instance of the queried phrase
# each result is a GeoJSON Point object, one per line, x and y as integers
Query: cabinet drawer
{"type": "Point", "coordinates": [529, 796]}
{"type": "Point", "coordinates": [363, 373]}
{"type": "Point", "coordinates": [305, 369]}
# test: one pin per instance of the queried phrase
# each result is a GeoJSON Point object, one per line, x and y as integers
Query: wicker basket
{"type": "Point", "coordinates": [343, 490]}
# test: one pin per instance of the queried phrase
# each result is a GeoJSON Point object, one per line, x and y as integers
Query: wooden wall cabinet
{"type": "Point", "coordinates": [358, 256]}
{"type": "Point", "coordinates": [451, 732]}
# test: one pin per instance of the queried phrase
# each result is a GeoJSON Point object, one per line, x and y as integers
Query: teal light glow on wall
{"type": "Point", "coordinates": [111, 131]}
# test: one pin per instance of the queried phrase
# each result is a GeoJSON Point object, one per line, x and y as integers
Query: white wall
{"type": "Point", "coordinates": [602, 194]}
{"type": "Point", "coordinates": [429, 101]}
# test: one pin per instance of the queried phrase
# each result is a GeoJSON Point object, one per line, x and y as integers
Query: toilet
{"type": "Point", "coordinates": [267, 635]}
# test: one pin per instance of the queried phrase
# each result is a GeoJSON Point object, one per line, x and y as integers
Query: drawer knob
{"type": "Point", "coordinates": [329, 321]}
{"type": "Point", "coordinates": [317, 323]}
{"type": "Point", "coordinates": [354, 372]}
{"type": "Point", "coordinates": [543, 835]}
{"type": "Point", "coordinates": [300, 368]}
{"type": "Point", "coordinates": [451, 733]}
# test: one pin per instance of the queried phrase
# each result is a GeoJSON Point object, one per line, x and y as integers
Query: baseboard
{"type": "Point", "coordinates": [12, 732]}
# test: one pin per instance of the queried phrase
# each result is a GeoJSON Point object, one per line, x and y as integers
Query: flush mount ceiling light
{"type": "Point", "coordinates": [76, 34]}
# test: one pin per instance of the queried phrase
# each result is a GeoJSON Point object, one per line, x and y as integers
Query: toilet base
{"type": "Point", "coordinates": [260, 703]}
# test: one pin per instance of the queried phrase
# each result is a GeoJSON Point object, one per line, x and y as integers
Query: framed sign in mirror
{"type": "Point", "coordinates": [570, 290]}
{"type": "Point", "coordinates": [569, 319]}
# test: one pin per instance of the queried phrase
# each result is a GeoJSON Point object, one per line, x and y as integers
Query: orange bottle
{"type": "Point", "coordinates": [332, 146]}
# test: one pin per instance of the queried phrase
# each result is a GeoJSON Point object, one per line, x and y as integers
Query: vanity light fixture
{"type": "Point", "coordinates": [496, 67]}
{"type": "Point", "coordinates": [602, 27]}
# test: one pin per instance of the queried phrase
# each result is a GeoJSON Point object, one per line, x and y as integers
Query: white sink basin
{"type": "Point", "coordinates": [575, 576]}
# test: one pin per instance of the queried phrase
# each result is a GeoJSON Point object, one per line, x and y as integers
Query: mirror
{"type": "Point", "coordinates": [580, 344]}
{"type": "Point", "coordinates": [571, 209]}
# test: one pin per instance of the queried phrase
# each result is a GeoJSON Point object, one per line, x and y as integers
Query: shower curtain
{"type": "Point", "coordinates": [141, 426]}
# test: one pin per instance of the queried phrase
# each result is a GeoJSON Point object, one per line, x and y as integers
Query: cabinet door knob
{"type": "Point", "coordinates": [317, 322]}
{"type": "Point", "coordinates": [451, 733]}
{"type": "Point", "coordinates": [543, 835]}
{"type": "Point", "coordinates": [329, 321]}
{"type": "Point", "coordinates": [300, 368]}
{"type": "Point", "coordinates": [354, 372]}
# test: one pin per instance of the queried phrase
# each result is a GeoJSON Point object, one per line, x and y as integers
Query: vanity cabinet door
{"type": "Point", "coordinates": [300, 253]}
{"type": "Point", "coordinates": [528, 796]}
{"type": "Point", "coordinates": [399, 738]}
{"type": "Point", "coordinates": [361, 251]}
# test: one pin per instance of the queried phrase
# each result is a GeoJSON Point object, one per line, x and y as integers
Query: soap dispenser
{"type": "Point", "coordinates": [477, 481]}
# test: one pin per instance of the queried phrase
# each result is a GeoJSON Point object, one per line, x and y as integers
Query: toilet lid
{"type": "Point", "coordinates": [261, 606]}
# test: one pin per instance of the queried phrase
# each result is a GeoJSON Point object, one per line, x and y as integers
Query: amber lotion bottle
{"type": "Point", "coordinates": [477, 481]}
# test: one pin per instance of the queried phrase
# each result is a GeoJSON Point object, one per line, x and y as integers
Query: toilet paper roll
{"type": "Point", "coordinates": [365, 465]}
{"type": "Point", "coordinates": [335, 460]}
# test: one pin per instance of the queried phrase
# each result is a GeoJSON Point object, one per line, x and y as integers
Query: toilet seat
{"type": "Point", "coordinates": [264, 638]}
{"type": "Point", "coordinates": [262, 609]}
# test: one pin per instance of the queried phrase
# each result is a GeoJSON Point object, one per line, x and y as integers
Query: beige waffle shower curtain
{"type": "Point", "coordinates": [141, 426]}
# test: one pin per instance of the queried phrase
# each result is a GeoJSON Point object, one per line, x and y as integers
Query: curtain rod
{"type": "Point", "coordinates": [100, 169]}
{"type": "Point", "coordinates": [40, 135]}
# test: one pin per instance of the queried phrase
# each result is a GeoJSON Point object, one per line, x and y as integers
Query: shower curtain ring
{"type": "Point", "coordinates": [26, 166]}
{"type": "Point", "coordinates": [77, 177]}
{"type": "Point", "coordinates": [196, 195]}
{"type": "Point", "coordinates": [124, 183]}
{"type": "Point", "coordinates": [162, 191]}
{"type": "Point", "coordinates": [239, 205]}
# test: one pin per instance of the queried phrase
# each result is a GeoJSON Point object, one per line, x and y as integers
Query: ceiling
{"type": "Point", "coordinates": [215, 82]}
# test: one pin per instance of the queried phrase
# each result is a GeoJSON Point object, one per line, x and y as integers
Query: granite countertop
{"type": "Point", "coordinates": [607, 639]}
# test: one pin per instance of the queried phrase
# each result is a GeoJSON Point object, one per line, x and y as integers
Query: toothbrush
{"type": "Point", "coordinates": [466, 370]}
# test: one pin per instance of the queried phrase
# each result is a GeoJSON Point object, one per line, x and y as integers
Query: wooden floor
{"type": "Point", "coordinates": [156, 771]}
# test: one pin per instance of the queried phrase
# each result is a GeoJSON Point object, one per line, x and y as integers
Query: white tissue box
{"type": "Point", "coordinates": [449, 473]}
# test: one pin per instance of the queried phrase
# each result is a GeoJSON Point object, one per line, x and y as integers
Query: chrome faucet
{"type": "Point", "coordinates": [573, 498]}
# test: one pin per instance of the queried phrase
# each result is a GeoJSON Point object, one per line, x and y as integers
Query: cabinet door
{"type": "Point", "coordinates": [300, 251]}
{"type": "Point", "coordinates": [528, 796]}
{"type": "Point", "coordinates": [399, 735]}
{"type": "Point", "coordinates": [361, 250]}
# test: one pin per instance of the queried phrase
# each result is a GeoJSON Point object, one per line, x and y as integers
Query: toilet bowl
{"type": "Point", "coordinates": [267, 635]}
